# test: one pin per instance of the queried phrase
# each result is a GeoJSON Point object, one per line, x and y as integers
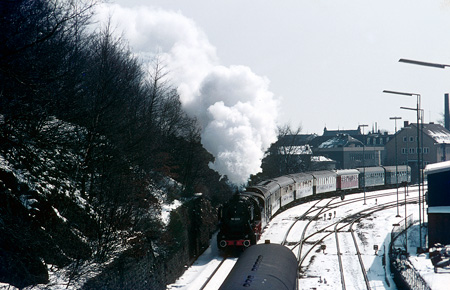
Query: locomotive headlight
{"type": "Point", "coordinates": [223, 243]}
{"type": "Point", "coordinates": [247, 243]}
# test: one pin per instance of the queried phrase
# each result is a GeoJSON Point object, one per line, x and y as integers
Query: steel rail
{"type": "Point", "coordinates": [339, 254]}
{"type": "Point", "coordinates": [322, 230]}
{"type": "Point", "coordinates": [212, 274]}
{"type": "Point", "coordinates": [361, 262]}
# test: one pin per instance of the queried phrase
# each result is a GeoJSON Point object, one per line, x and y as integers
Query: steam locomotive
{"type": "Point", "coordinates": [244, 216]}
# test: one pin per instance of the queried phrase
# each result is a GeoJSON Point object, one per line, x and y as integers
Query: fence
{"type": "Point", "coordinates": [405, 275]}
{"type": "Point", "coordinates": [399, 230]}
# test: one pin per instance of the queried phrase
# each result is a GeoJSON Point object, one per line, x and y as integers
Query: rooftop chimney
{"type": "Point", "coordinates": [446, 113]}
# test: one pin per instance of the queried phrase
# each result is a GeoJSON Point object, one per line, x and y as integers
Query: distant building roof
{"type": "Point", "coordinates": [296, 140]}
{"type": "Point", "coordinates": [437, 132]}
{"type": "Point", "coordinates": [342, 140]}
{"type": "Point", "coordinates": [327, 132]}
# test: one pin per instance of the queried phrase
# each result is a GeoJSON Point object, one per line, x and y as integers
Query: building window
{"type": "Point", "coordinates": [411, 151]}
{"type": "Point", "coordinates": [411, 139]}
{"type": "Point", "coordinates": [426, 150]}
{"type": "Point", "coordinates": [405, 139]}
{"type": "Point", "coordinates": [404, 151]}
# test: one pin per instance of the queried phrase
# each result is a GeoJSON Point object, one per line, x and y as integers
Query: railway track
{"type": "Point", "coordinates": [212, 274]}
{"type": "Point", "coordinates": [315, 211]}
{"type": "Point", "coordinates": [342, 229]}
{"type": "Point", "coordinates": [312, 239]}
{"type": "Point", "coordinates": [217, 276]}
{"type": "Point", "coordinates": [346, 252]}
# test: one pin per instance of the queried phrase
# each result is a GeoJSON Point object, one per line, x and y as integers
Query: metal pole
{"type": "Point", "coordinates": [407, 158]}
{"type": "Point", "coordinates": [396, 158]}
{"type": "Point", "coordinates": [406, 218]}
{"type": "Point", "coordinates": [418, 171]}
{"type": "Point", "coordinates": [364, 161]}
{"type": "Point", "coordinates": [422, 166]}
{"type": "Point", "coordinates": [418, 146]}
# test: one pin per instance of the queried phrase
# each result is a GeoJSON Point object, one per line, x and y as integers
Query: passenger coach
{"type": "Point", "coordinates": [324, 181]}
{"type": "Point", "coordinates": [303, 184]}
{"type": "Point", "coordinates": [403, 174]}
{"type": "Point", "coordinates": [257, 205]}
{"type": "Point", "coordinates": [347, 179]}
{"type": "Point", "coordinates": [371, 176]}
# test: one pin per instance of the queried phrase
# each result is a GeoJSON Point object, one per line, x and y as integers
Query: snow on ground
{"type": "Point", "coordinates": [167, 208]}
{"type": "Point", "coordinates": [203, 267]}
{"type": "Point", "coordinates": [321, 269]}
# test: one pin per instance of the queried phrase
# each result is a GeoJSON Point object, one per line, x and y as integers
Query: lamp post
{"type": "Point", "coordinates": [406, 216]}
{"type": "Point", "coordinates": [396, 159]}
{"type": "Point", "coordinates": [429, 64]}
{"type": "Point", "coordinates": [424, 63]}
{"type": "Point", "coordinates": [419, 163]}
{"type": "Point", "coordinates": [422, 114]}
{"type": "Point", "coordinates": [418, 152]}
{"type": "Point", "coordinates": [407, 128]}
{"type": "Point", "coordinates": [405, 183]}
{"type": "Point", "coordinates": [364, 161]}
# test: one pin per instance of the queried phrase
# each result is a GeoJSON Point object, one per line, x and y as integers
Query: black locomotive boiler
{"type": "Point", "coordinates": [239, 222]}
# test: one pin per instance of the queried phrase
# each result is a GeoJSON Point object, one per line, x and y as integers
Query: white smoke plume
{"type": "Point", "coordinates": [235, 108]}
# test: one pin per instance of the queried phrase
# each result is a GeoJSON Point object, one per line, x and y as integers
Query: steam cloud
{"type": "Point", "coordinates": [234, 106]}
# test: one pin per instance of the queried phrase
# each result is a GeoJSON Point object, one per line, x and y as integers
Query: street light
{"type": "Point", "coordinates": [418, 152]}
{"type": "Point", "coordinates": [430, 64]}
{"type": "Point", "coordinates": [406, 215]}
{"type": "Point", "coordinates": [407, 128]}
{"type": "Point", "coordinates": [424, 63]}
{"type": "Point", "coordinates": [364, 161]}
{"type": "Point", "coordinates": [396, 159]}
{"type": "Point", "coordinates": [420, 165]}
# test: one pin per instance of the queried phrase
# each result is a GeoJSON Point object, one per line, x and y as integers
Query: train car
{"type": "Point", "coordinates": [324, 181]}
{"type": "Point", "coordinates": [244, 217]}
{"type": "Point", "coordinates": [271, 192]}
{"type": "Point", "coordinates": [261, 200]}
{"type": "Point", "coordinates": [240, 222]}
{"type": "Point", "coordinates": [264, 266]}
{"type": "Point", "coordinates": [303, 184]}
{"type": "Point", "coordinates": [371, 176]}
{"type": "Point", "coordinates": [403, 174]}
{"type": "Point", "coordinates": [263, 196]}
{"type": "Point", "coordinates": [347, 179]}
{"type": "Point", "coordinates": [287, 189]}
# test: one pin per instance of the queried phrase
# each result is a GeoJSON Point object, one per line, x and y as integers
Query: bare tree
{"type": "Point", "coordinates": [287, 155]}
